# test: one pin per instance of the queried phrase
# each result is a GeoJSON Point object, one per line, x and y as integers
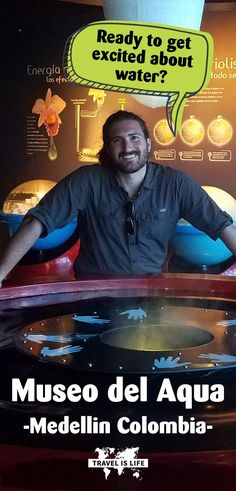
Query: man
{"type": "Point", "coordinates": [127, 208]}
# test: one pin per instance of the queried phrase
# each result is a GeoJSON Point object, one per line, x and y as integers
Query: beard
{"type": "Point", "coordinates": [130, 162]}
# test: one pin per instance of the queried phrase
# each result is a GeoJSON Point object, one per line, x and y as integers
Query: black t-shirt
{"type": "Point", "coordinates": [94, 195]}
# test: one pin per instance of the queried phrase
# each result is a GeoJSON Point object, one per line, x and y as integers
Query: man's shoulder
{"type": "Point", "coordinates": [90, 172]}
{"type": "Point", "coordinates": [87, 170]}
{"type": "Point", "coordinates": [170, 177]}
{"type": "Point", "coordinates": [165, 170]}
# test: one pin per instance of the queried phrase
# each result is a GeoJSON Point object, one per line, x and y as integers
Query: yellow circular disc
{"type": "Point", "coordinates": [192, 131]}
{"type": "Point", "coordinates": [219, 131]}
{"type": "Point", "coordinates": [162, 133]}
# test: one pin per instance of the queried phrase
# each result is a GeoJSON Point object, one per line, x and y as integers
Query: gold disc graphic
{"type": "Point", "coordinates": [192, 131]}
{"type": "Point", "coordinates": [219, 131]}
{"type": "Point", "coordinates": [162, 133]}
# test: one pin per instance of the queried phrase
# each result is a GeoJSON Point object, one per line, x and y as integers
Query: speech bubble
{"type": "Point", "coordinates": [141, 59]}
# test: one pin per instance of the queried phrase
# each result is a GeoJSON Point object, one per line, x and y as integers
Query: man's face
{"type": "Point", "coordinates": [127, 147]}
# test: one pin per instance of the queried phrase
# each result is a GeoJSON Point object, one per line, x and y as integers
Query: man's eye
{"type": "Point", "coordinates": [116, 140]}
{"type": "Point", "coordinates": [134, 137]}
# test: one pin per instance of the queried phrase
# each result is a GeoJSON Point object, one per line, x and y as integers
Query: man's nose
{"type": "Point", "coordinates": [127, 145]}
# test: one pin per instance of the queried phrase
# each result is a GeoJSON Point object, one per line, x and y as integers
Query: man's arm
{"type": "Point", "coordinates": [228, 235]}
{"type": "Point", "coordinates": [19, 245]}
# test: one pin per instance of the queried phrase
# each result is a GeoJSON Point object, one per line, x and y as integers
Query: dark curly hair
{"type": "Point", "coordinates": [113, 118]}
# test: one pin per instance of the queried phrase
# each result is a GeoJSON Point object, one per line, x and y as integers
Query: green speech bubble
{"type": "Point", "coordinates": [141, 59]}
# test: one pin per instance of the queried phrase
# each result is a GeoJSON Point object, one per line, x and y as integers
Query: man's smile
{"type": "Point", "coordinates": [128, 156]}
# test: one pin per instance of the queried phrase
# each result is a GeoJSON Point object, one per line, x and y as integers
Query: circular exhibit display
{"type": "Point", "coordinates": [52, 240]}
{"type": "Point", "coordinates": [18, 203]}
{"type": "Point", "coordinates": [223, 199]}
{"type": "Point", "coordinates": [26, 195]}
{"type": "Point", "coordinates": [196, 247]}
{"type": "Point", "coordinates": [134, 335]}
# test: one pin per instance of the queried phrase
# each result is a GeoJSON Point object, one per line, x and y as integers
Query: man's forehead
{"type": "Point", "coordinates": [125, 126]}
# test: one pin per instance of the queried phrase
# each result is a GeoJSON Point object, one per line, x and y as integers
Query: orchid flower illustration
{"type": "Point", "coordinates": [49, 110]}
